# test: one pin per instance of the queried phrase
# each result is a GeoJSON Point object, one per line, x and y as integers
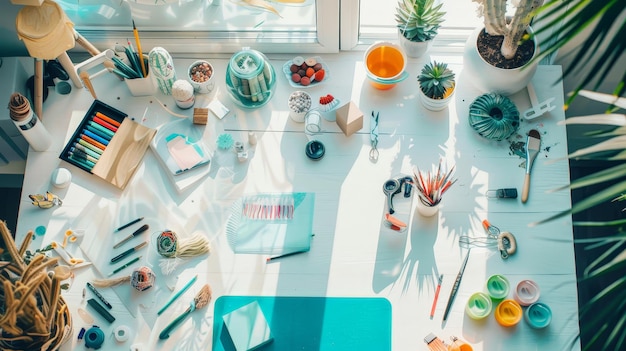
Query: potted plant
{"type": "Point", "coordinates": [418, 22]}
{"type": "Point", "coordinates": [437, 84]}
{"type": "Point", "coordinates": [499, 57]}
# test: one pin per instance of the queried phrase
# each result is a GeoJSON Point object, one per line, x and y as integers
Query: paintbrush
{"type": "Point", "coordinates": [87, 82]}
{"type": "Point", "coordinates": [532, 149]}
{"type": "Point", "coordinates": [202, 298]}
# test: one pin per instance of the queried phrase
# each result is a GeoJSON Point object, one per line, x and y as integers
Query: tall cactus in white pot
{"type": "Point", "coordinates": [497, 55]}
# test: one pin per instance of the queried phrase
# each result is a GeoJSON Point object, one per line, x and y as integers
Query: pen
{"type": "Point", "coordinates": [177, 295]}
{"type": "Point", "coordinates": [455, 287]}
{"type": "Point", "coordinates": [128, 252]}
{"type": "Point", "coordinates": [432, 310]}
{"type": "Point", "coordinates": [285, 255]}
{"type": "Point", "coordinates": [129, 224]}
{"type": "Point", "coordinates": [99, 296]}
{"type": "Point", "coordinates": [142, 229]}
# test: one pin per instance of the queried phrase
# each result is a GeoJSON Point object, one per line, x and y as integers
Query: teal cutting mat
{"type": "Point", "coordinates": [313, 323]}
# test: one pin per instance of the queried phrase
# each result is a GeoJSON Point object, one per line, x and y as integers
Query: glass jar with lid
{"type": "Point", "coordinates": [250, 78]}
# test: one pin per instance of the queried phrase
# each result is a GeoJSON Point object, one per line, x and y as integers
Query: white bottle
{"type": "Point", "coordinates": [28, 123]}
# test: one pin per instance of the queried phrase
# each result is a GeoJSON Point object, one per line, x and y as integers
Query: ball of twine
{"type": "Point", "coordinates": [142, 278]}
{"type": "Point", "coordinates": [182, 90]}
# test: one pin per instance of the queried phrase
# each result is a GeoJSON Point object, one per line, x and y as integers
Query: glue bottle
{"type": "Point", "coordinates": [28, 123]}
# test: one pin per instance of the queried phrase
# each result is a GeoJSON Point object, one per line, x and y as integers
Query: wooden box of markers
{"type": "Point", "coordinates": [108, 144]}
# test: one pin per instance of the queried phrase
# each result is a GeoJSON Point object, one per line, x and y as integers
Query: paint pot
{"type": "Point", "coordinates": [538, 315]}
{"type": "Point", "coordinates": [478, 306]}
{"type": "Point", "coordinates": [508, 313]}
{"type": "Point", "coordinates": [498, 287]}
{"type": "Point", "coordinates": [385, 64]}
{"type": "Point", "coordinates": [527, 292]}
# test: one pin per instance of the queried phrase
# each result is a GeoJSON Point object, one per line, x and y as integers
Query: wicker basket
{"type": "Point", "coordinates": [33, 314]}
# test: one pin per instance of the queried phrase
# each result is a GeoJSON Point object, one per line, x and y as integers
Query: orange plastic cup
{"type": "Point", "coordinates": [385, 63]}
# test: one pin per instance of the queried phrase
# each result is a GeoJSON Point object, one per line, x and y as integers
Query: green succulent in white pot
{"type": "Point", "coordinates": [418, 22]}
{"type": "Point", "coordinates": [436, 85]}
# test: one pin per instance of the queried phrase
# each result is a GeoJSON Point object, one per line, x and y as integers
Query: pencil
{"type": "Point", "coordinates": [455, 288]}
{"type": "Point", "coordinates": [285, 255]}
{"type": "Point", "coordinates": [125, 265]}
{"type": "Point", "coordinates": [177, 294]}
{"type": "Point", "coordinates": [139, 52]}
{"type": "Point", "coordinates": [432, 309]}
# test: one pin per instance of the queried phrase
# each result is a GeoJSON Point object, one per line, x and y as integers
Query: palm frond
{"type": "Point", "coordinates": [564, 20]}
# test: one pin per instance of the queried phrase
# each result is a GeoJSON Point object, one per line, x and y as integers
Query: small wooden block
{"type": "Point", "coordinates": [349, 118]}
{"type": "Point", "coordinates": [200, 115]}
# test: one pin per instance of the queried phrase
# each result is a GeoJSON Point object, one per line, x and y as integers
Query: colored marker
{"type": "Point", "coordinates": [89, 146]}
{"type": "Point", "coordinates": [96, 137]}
{"type": "Point", "coordinates": [99, 296]}
{"type": "Point", "coordinates": [82, 155]}
{"type": "Point", "coordinates": [82, 162]}
{"type": "Point", "coordinates": [89, 152]}
{"type": "Point", "coordinates": [108, 119]}
{"type": "Point", "coordinates": [92, 142]}
{"type": "Point", "coordinates": [99, 133]}
{"type": "Point", "coordinates": [101, 129]}
{"type": "Point", "coordinates": [105, 124]}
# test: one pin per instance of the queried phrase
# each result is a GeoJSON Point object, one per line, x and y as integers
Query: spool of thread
{"type": "Point", "coordinates": [121, 333]}
{"type": "Point", "coordinates": [182, 91]}
{"type": "Point", "coordinates": [28, 123]}
{"type": "Point", "coordinates": [142, 278]}
{"type": "Point", "coordinates": [94, 338]}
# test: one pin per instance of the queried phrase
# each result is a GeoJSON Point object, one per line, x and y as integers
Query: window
{"type": "Point", "coordinates": [225, 26]}
{"type": "Point", "coordinates": [200, 26]}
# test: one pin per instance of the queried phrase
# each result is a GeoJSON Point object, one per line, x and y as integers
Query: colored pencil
{"type": "Point", "coordinates": [125, 265]}
{"type": "Point", "coordinates": [177, 294]}
{"type": "Point", "coordinates": [92, 142]}
{"type": "Point", "coordinates": [286, 255]}
{"type": "Point", "coordinates": [143, 66]}
{"type": "Point", "coordinates": [108, 119]}
{"type": "Point", "coordinates": [89, 146]}
{"type": "Point", "coordinates": [105, 124]}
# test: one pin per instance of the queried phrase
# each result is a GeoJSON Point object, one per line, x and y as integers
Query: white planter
{"type": "Point", "coordinates": [488, 78]}
{"type": "Point", "coordinates": [435, 104]}
{"type": "Point", "coordinates": [414, 48]}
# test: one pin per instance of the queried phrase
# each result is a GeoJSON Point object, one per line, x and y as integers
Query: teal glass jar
{"type": "Point", "coordinates": [250, 78]}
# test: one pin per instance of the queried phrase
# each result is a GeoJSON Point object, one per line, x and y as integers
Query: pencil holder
{"type": "Point", "coordinates": [141, 86]}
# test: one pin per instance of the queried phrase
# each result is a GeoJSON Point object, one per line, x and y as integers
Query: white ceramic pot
{"type": "Point", "coordinates": [488, 78]}
{"type": "Point", "coordinates": [414, 48]}
{"type": "Point", "coordinates": [435, 104]}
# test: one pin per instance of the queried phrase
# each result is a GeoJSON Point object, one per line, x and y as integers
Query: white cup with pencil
{"type": "Point", "coordinates": [135, 70]}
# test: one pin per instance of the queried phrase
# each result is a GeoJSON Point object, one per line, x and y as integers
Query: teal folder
{"type": "Point", "coordinates": [313, 323]}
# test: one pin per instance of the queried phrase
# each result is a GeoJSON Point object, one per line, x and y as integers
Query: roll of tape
{"type": "Point", "coordinates": [121, 333]}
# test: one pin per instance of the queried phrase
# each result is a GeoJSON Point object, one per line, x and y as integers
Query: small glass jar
{"type": "Point", "coordinates": [250, 78]}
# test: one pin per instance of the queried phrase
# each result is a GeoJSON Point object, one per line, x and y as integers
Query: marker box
{"type": "Point", "coordinates": [108, 144]}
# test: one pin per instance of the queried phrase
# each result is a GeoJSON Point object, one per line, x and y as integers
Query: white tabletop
{"type": "Point", "coordinates": [350, 255]}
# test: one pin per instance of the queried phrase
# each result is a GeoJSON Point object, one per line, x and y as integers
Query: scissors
{"type": "Point", "coordinates": [374, 136]}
